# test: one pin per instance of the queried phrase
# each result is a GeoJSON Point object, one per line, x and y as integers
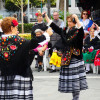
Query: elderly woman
{"type": "Point", "coordinates": [38, 25]}
{"type": "Point", "coordinates": [72, 73]}
{"type": "Point", "coordinates": [87, 23]}
{"type": "Point", "coordinates": [15, 72]}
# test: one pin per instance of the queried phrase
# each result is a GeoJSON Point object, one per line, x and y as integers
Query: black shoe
{"type": "Point", "coordinates": [36, 66]}
{"type": "Point", "coordinates": [51, 71]}
{"type": "Point", "coordinates": [39, 68]}
{"type": "Point", "coordinates": [88, 72]}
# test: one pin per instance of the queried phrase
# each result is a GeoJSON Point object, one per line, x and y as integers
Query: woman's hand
{"type": "Point", "coordinates": [85, 34]}
{"type": "Point", "coordinates": [49, 31]}
{"type": "Point", "coordinates": [46, 17]}
{"type": "Point", "coordinates": [77, 20]}
{"type": "Point", "coordinates": [41, 53]}
{"type": "Point", "coordinates": [95, 25]}
{"type": "Point", "coordinates": [76, 17]}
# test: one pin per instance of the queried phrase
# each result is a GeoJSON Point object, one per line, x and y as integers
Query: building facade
{"type": "Point", "coordinates": [73, 8]}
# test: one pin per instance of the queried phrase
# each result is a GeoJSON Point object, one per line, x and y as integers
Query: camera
{"type": "Point", "coordinates": [74, 21]}
{"type": "Point", "coordinates": [95, 28]}
{"type": "Point", "coordinates": [43, 15]}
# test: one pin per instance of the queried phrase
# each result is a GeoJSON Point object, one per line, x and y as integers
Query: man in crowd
{"type": "Point", "coordinates": [55, 37]}
{"type": "Point", "coordinates": [25, 18]}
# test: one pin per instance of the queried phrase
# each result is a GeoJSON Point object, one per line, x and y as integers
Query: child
{"type": "Point", "coordinates": [90, 46]}
{"type": "Point", "coordinates": [55, 60]}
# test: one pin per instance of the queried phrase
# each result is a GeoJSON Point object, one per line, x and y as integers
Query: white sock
{"type": "Point", "coordinates": [87, 67]}
{"type": "Point", "coordinates": [53, 67]}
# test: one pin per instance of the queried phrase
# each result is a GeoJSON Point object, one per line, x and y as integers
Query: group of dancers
{"type": "Point", "coordinates": [16, 56]}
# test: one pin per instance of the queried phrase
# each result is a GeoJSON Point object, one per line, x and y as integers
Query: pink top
{"type": "Point", "coordinates": [36, 49]}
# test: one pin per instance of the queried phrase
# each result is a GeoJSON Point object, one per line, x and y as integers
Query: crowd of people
{"type": "Point", "coordinates": [69, 48]}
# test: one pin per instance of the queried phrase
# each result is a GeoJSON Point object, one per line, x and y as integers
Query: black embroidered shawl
{"type": "Point", "coordinates": [71, 42]}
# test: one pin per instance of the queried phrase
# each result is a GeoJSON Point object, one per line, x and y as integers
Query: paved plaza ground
{"type": "Point", "coordinates": [45, 86]}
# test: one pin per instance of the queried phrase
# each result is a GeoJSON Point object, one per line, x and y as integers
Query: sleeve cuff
{"type": "Point", "coordinates": [98, 36]}
{"type": "Point", "coordinates": [79, 27]}
{"type": "Point", "coordinates": [46, 34]}
{"type": "Point", "coordinates": [49, 23]}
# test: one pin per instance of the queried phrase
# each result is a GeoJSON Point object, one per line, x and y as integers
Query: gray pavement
{"type": "Point", "coordinates": [45, 87]}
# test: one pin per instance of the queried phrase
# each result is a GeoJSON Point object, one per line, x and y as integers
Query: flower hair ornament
{"type": "Point", "coordinates": [36, 14]}
{"type": "Point", "coordinates": [89, 12]}
{"type": "Point", "coordinates": [14, 23]}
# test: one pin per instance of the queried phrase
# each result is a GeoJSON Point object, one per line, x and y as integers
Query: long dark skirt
{"type": "Point", "coordinates": [18, 89]}
{"type": "Point", "coordinates": [73, 77]}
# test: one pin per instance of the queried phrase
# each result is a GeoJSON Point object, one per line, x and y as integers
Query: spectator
{"type": "Point", "coordinates": [25, 18]}
{"type": "Point", "coordinates": [38, 25]}
{"type": "Point", "coordinates": [59, 23]}
{"type": "Point", "coordinates": [15, 16]}
{"type": "Point", "coordinates": [42, 46]}
{"type": "Point", "coordinates": [90, 47]}
{"type": "Point", "coordinates": [87, 23]}
{"type": "Point", "coordinates": [55, 37]}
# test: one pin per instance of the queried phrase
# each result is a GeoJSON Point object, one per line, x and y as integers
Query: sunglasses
{"type": "Point", "coordinates": [85, 14]}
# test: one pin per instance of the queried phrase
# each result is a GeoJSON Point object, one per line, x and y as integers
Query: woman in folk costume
{"type": "Point", "coordinates": [39, 24]}
{"type": "Point", "coordinates": [72, 73]}
{"type": "Point", "coordinates": [86, 22]}
{"type": "Point", "coordinates": [91, 45]}
{"type": "Point", "coordinates": [15, 72]}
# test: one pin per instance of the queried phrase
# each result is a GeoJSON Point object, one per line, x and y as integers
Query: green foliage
{"type": "Point", "coordinates": [10, 6]}
{"type": "Point", "coordinates": [27, 28]}
{"type": "Point", "coordinates": [1, 17]}
{"type": "Point", "coordinates": [15, 5]}
{"type": "Point", "coordinates": [53, 2]}
{"type": "Point", "coordinates": [37, 3]}
{"type": "Point", "coordinates": [18, 2]}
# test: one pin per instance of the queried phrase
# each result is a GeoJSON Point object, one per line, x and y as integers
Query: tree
{"type": "Point", "coordinates": [20, 4]}
{"type": "Point", "coordinates": [37, 3]}
{"type": "Point", "coordinates": [9, 6]}
{"type": "Point", "coordinates": [61, 5]}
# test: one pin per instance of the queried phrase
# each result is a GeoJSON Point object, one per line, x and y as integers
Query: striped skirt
{"type": "Point", "coordinates": [18, 89]}
{"type": "Point", "coordinates": [73, 77]}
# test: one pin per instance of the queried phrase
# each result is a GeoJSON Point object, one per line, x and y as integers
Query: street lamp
{"type": "Point", "coordinates": [65, 12]}
{"type": "Point", "coordinates": [41, 4]}
{"type": "Point", "coordinates": [28, 11]}
{"type": "Point", "coordinates": [48, 6]}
